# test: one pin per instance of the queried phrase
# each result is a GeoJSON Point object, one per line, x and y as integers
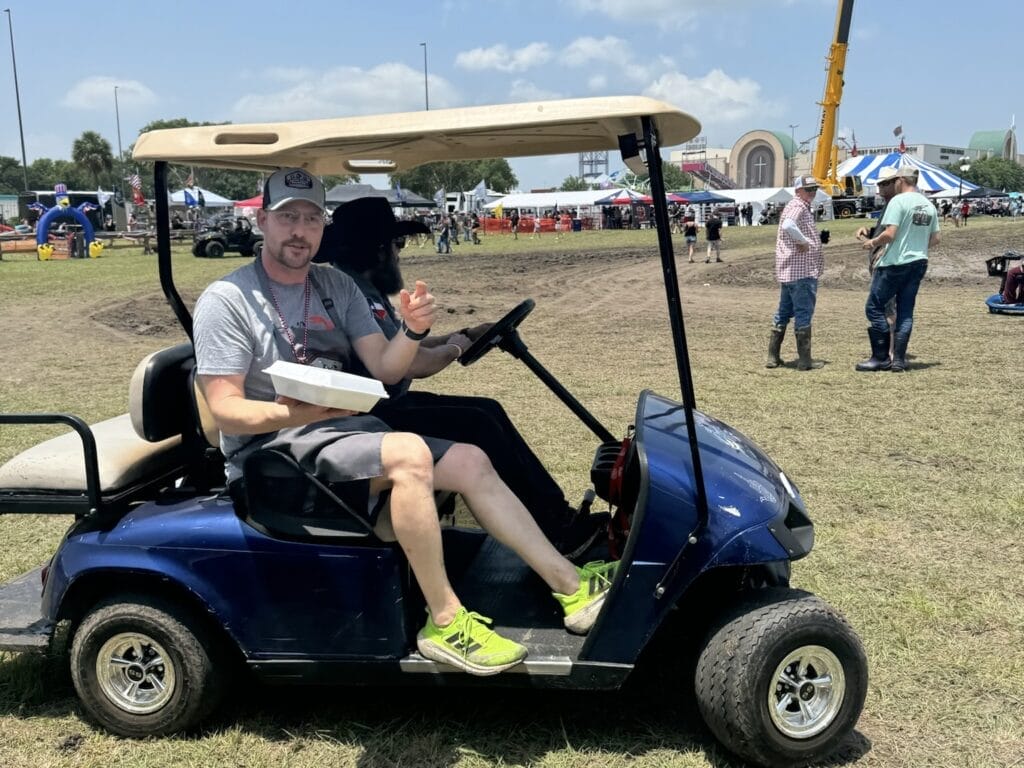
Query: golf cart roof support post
{"type": "Point", "coordinates": [163, 246]}
{"type": "Point", "coordinates": [675, 313]}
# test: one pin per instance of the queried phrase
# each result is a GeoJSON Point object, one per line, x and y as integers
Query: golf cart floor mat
{"type": "Point", "coordinates": [22, 627]}
{"type": "Point", "coordinates": [500, 585]}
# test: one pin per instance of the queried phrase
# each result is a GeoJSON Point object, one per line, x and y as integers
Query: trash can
{"type": "Point", "coordinates": [577, 225]}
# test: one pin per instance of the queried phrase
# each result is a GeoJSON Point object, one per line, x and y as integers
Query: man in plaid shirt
{"type": "Point", "coordinates": [798, 265]}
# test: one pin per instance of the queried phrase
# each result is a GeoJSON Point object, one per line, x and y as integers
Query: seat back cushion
{"type": "Point", "coordinates": [158, 394]}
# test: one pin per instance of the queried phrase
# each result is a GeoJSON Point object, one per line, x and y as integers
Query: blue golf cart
{"type": "Point", "coordinates": [167, 588]}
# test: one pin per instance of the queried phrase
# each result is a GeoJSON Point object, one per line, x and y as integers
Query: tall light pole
{"type": "Point", "coordinates": [792, 151]}
{"type": "Point", "coordinates": [426, 93]}
{"type": "Point", "coordinates": [965, 166]}
{"type": "Point", "coordinates": [17, 96]}
{"type": "Point", "coordinates": [120, 154]}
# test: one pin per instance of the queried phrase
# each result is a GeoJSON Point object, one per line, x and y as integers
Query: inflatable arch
{"type": "Point", "coordinates": [43, 247]}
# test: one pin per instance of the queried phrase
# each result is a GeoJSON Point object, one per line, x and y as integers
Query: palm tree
{"type": "Point", "coordinates": [93, 152]}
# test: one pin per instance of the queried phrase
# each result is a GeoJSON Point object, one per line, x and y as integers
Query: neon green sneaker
{"type": "Point", "coordinates": [582, 607]}
{"type": "Point", "coordinates": [468, 644]}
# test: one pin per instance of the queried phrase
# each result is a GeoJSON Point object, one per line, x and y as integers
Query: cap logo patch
{"type": "Point", "coordinates": [298, 180]}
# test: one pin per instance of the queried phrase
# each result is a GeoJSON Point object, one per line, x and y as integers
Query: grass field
{"type": "Point", "coordinates": [915, 483]}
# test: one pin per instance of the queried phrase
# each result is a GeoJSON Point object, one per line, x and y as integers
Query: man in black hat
{"type": "Point", "coordinates": [364, 241]}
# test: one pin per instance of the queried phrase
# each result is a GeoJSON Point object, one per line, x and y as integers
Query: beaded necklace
{"type": "Point", "coordinates": [299, 350]}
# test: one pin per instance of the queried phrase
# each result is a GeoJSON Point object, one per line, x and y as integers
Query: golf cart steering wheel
{"type": "Point", "coordinates": [496, 334]}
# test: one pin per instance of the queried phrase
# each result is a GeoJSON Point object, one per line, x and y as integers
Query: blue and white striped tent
{"type": "Point", "coordinates": [930, 178]}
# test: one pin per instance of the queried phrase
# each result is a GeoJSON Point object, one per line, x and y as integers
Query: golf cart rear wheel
{"type": "Point", "coordinates": [214, 249]}
{"type": "Point", "coordinates": [144, 667]}
{"type": "Point", "coordinates": [782, 680]}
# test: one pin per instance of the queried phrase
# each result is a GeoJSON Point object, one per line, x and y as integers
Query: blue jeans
{"type": "Point", "coordinates": [796, 300]}
{"type": "Point", "coordinates": [901, 282]}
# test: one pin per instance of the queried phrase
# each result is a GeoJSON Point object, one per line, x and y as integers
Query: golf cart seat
{"type": "Point", "coordinates": [51, 477]}
{"type": "Point", "coordinates": [117, 461]}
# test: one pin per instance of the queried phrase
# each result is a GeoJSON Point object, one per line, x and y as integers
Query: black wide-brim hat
{"type": "Point", "coordinates": [371, 220]}
{"type": "Point", "coordinates": [361, 224]}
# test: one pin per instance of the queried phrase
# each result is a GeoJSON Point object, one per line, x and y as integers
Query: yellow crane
{"type": "Point", "coordinates": [845, 192]}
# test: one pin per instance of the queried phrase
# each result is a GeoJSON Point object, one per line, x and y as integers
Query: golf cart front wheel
{"type": "Point", "coordinates": [143, 667]}
{"type": "Point", "coordinates": [782, 681]}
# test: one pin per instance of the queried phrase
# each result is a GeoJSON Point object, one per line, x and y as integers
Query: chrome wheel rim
{"type": "Point", "coordinates": [135, 673]}
{"type": "Point", "coordinates": [806, 692]}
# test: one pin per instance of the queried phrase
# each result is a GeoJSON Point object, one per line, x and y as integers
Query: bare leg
{"type": "Point", "coordinates": [467, 470]}
{"type": "Point", "coordinates": [408, 471]}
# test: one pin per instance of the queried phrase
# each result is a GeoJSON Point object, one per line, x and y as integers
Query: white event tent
{"type": "Point", "coordinates": [212, 199]}
{"type": "Point", "coordinates": [758, 198]}
{"type": "Point", "coordinates": [544, 200]}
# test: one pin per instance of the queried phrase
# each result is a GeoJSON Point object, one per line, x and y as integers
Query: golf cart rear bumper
{"type": "Point", "coordinates": [22, 626]}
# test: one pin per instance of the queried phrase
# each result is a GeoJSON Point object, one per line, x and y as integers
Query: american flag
{"type": "Point", "coordinates": [136, 184]}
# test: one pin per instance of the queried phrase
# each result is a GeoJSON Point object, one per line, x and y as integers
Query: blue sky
{"type": "Point", "coordinates": [941, 70]}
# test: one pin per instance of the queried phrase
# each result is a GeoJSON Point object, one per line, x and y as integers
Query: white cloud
{"type": "Point", "coordinates": [503, 59]}
{"type": "Point", "coordinates": [98, 93]}
{"type": "Point", "coordinates": [524, 90]}
{"type": "Point", "coordinates": [715, 98]}
{"type": "Point", "coordinates": [672, 12]}
{"type": "Point", "coordinates": [597, 83]}
{"type": "Point", "coordinates": [584, 50]}
{"type": "Point", "coordinates": [669, 13]}
{"type": "Point", "coordinates": [392, 87]}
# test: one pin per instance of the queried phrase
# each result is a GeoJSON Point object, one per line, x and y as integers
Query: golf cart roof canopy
{"type": "Point", "coordinates": [397, 142]}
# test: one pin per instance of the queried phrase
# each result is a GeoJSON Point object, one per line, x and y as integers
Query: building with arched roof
{"type": "Point", "coordinates": [994, 144]}
{"type": "Point", "coordinates": [766, 158]}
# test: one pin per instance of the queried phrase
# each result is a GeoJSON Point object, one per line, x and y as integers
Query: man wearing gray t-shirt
{"type": "Point", "coordinates": [282, 307]}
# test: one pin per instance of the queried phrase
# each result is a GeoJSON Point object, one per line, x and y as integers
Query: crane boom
{"type": "Point", "coordinates": [826, 153]}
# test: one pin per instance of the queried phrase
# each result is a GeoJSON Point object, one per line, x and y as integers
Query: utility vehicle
{"type": "Point", "coordinates": [229, 234]}
{"type": "Point", "coordinates": [167, 589]}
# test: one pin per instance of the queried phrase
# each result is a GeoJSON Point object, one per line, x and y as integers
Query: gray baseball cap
{"type": "Point", "coordinates": [290, 184]}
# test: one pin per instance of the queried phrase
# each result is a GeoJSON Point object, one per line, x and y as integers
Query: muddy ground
{"type": "Point", "coordinates": [494, 279]}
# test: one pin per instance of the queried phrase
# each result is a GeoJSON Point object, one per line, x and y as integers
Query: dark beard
{"type": "Point", "coordinates": [388, 278]}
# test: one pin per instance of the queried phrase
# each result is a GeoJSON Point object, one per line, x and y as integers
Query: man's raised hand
{"type": "Point", "coordinates": [417, 308]}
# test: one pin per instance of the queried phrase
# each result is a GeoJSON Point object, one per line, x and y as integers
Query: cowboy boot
{"type": "Point", "coordinates": [803, 349]}
{"type": "Point", "coordinates": [899, 351]}
{"type": "Point", "coordinates": [879, 360]}
{"type": "Point", "coordinates": [775, 346]}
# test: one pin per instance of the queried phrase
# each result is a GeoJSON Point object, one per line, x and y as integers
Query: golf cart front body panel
{"type": "Point", "coordinates": [746, 499]}
{"type": "Point", "coordinates": [276, 599]}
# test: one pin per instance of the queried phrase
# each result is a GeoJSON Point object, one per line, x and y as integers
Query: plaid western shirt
{"type": "Point", "coordinates": [792, 264]}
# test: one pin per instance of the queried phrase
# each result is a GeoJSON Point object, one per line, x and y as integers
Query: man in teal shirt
{"type": "Point", "coordinates": [910, 227]}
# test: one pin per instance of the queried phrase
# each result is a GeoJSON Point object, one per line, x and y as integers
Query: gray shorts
{"type": "Point", "coordinates": [346, 452]}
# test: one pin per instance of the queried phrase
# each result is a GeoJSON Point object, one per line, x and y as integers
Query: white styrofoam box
{"type": "Point", "coordinates": [320, 386]}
